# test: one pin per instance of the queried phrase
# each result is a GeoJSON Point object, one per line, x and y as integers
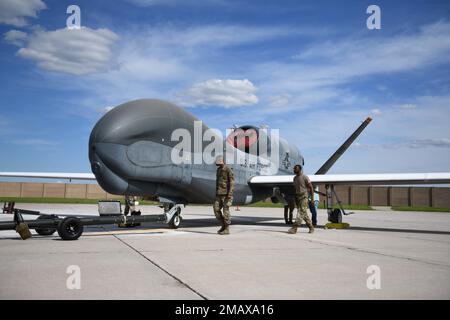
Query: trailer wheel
{"type": "Point", "coordinates": [45, 231]}
{"type": "Point", "coordinates": [70, 228]}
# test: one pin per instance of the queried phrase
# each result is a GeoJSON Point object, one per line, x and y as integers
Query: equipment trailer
{"type": "Point", "coordinates": [71, 227]}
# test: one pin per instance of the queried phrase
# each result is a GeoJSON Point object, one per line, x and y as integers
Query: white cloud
{"type": "Point", "coordinates": [319, 74]}
{"type": "Point", "coordinates": [411, 144]}
{"type": "Point", "coordinates": [224, 93]}
{"type": "Point", "coordinates": [78, 51]}
{"type": "Point", "coordinates": [16, 37]}
{"type": "Point", "coordinates": [212, 36]}
{"type": "Point", "coordinates": [425, 143]}
{"type": "Point", "coordinates": [402, 140]}
{"type": "Point", "coordinates": [375, 112]}
{"type": "Point", "coordinates": [280, 101]}
{"type": "Point", "coordinates": [15, 12]}
{"type": "Point", "coordinates": [430, 45]}
{"type": "Point", "coordinates": [174, 53]}
{"type": "Point", "coordinates": [163, 60]}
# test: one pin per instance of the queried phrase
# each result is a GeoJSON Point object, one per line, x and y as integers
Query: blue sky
{"type": "Point", "coordinates": [309, 68]}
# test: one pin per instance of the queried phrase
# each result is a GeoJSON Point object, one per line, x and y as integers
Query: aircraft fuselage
{"type": "Point", "coordinates": [131, 153]}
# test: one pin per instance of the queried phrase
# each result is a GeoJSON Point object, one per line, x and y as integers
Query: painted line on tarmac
{"type": "Point", "coordinates": [161, 268]}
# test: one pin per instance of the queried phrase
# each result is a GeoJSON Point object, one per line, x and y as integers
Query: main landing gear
{"type": "Point", "coordinates": [334, 214]}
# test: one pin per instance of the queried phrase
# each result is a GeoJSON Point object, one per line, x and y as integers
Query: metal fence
{"type": "Point", "coordinates": [54, 190]}
{"type": "Point", "coordinates": [438, 197]}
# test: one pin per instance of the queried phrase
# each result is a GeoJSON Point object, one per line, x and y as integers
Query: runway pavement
{"type": "Point", "coordinates": [258, 260]}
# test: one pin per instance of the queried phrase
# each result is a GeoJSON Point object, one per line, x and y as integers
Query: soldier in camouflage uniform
{"type": "Point", "coordinates": [224, 195]}
{"type": "Point", "coordinates": [302, 185]}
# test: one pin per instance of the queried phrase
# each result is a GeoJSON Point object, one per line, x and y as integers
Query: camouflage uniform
{"type": "Point", "coordinates": [224, 188]}
{"type": "Point", "coordinates": [301, 200]}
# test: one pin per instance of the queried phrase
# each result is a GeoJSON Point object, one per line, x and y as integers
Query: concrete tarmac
{"type": "Point", "coordinates": [258, 260]}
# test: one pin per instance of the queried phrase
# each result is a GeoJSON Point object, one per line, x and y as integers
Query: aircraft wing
{"type": "Point", "coordinates": [49, 175]}
{"type": "Point", "coordinates": [356, 179]}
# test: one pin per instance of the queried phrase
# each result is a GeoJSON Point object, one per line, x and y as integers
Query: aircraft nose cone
{"type": "Point", "coordinates": [145, 120]}
{"type": "Point", "coordinates": [109, 180]}
{"type": "Point", "coordinates": [96, 167]}
{"type": "Point", "coordinates": [135, 120]}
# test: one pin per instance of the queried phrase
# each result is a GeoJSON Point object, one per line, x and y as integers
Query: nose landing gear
{"type": "Point", "coordinates": [173, 214]}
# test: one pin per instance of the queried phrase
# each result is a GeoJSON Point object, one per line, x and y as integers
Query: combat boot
{"type": "Point", "coordinates": [293, 230]}
{"type": "Point", "coordinates": [222, 227]}
{"type": "Point", "coordinates": [225, 231]}
{"type": "Point", "coordinates": [311, 228]}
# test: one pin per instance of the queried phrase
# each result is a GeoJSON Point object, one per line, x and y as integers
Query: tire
{"type": "Point", "coordinates": [70, 228]}
{"type": "Point", "coordinates": [335, 216]}
{"type": "Point", "coordinates": [45, 231]}
{"type": "Point", "coordinates": [135, 213]}
{"type": "Point", "coordinates": [175, 222]}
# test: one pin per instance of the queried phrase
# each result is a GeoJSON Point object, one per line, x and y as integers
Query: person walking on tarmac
{"type": "Point", "coordinates": [289, 208]}
{"type": "Point", "coordinates": [312, 208]}
{"type": "Point", "coordinates": [302, 185]}
{"type": "Point", "coordinates": [224, 195]}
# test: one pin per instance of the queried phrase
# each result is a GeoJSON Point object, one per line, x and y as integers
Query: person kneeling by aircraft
{"type": "Point", "coordinates": [302, 186]}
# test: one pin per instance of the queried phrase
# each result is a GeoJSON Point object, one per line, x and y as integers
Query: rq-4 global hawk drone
{"type": "Point", "coordinates": [154, 148]}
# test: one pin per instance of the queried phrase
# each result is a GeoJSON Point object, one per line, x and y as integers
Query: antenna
{"type": "Point", "coordinates": [339, 152]}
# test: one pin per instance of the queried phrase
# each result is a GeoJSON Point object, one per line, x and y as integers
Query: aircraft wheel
{"type": "Point", "coordinates": [45, 231]}
{"type": "Point", "coordinates": [175, 222]}
{"type": "Point", "coordinates": [70, 228]}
